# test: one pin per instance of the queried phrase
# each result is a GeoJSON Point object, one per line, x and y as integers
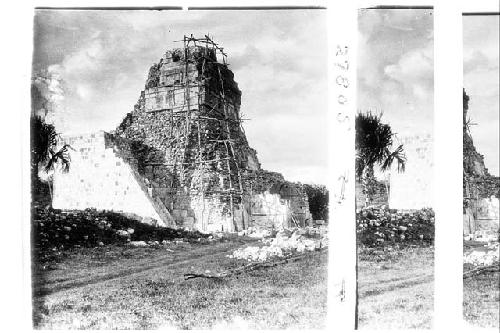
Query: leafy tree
{"type": "Point", "coordinates": [44, 152]}
{"type": "Point", "coordinates": [43, 138]}
{"type": "Point", "coordinates": [317, 196]}
{"type": "Point", "coordinates": [374, 141]}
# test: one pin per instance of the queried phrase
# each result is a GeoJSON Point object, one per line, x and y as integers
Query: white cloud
{"type": "Point", "coordinates": [395, 68]}
{"type": "Point", "coordinates": [104, 58]}
{"type": "Point", "coordinates": [482, 84]}
{"type": "Point", "coordinates": [415, 71]}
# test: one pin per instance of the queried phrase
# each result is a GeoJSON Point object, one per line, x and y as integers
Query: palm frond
{"type": "Point", "coordinates": [43, 138]}
{"type": "Point", "coordinates": [397, 155]}
{"type": "Point", "coordinates": [62, 156]}
{"type": "Point", "coordinates": [374, 140]}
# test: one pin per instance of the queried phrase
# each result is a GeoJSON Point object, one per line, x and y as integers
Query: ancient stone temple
{"type": "Point", "coordinates": [480, 188]}
{"type": "Point", "coordinates": [181, 157]}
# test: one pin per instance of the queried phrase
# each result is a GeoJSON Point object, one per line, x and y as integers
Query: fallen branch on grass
{"type": "Point", "coordinates": [481, 270]}
{"type": "Point", "coordinates": [247, 268]}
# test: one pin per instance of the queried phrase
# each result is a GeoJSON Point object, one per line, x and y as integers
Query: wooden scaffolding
{"type": "Point", "coordinates": [205, 113]}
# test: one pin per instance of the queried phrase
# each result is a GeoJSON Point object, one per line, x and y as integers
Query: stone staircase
{"type": "Point", "coordinates": [155, 201]}
{"type": "Point", "coordinates": [158, 205]}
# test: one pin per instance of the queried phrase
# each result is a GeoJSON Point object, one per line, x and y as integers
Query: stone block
{"type": "Point", "coordinates": [188, 222]}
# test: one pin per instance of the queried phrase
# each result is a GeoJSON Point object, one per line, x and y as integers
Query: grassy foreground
{"type": "Point", "coordinates": [482, 300]}
{"type": "Point", "coordinates": [121, 287]}
{"type": "Point", "coordinates": [481, 306]}
{"type": "Point", "coordinates": [396, 287]}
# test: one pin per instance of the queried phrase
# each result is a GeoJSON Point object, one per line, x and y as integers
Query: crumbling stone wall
{"type": "Point", "coordinates": [269, 211]}
{"type": "Point", "coordinates": [272, 183]}
{"type": "Point", "coordinates": [378, 191]}
{"type": "Point", "coordinates": [478, 182]}
{"type": "Point", "coordinates": [481, 190]}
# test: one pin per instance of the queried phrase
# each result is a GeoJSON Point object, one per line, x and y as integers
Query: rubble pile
{"type": "Point", "coordinates": [380, 226]}
{"type": "Point", "coordinates": [255, 232]}
{"type": "Point", "coordinates": [483, 236]}
{"type": "Point", "coordinates": [58, 229]}
{"type": "Point", "coordinates": [486, 256]}
{"type": "Point", "coordinates": [285, 243]}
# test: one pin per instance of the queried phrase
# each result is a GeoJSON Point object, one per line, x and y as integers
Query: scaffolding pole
{"type": "Point", "coordinates": [209, 113]}
{"type": "Point", "coordinates": [200, 158]}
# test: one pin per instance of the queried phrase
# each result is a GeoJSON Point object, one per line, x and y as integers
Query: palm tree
{"type": "Point", "coordinates": [60, 157]}
{"type": "Point", "coordinates": [374, 141]}
{"type": "Point", "coordinates": [44, 152]}
{"type": "Point", "coordinates": [43, 138]}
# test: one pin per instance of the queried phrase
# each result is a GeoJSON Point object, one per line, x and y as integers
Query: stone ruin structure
{"type": "Point", "coordinates": [378, 193]}
{"type": "Point", "coordinates": [181, 157]}
{"type": "Point", "coordinates": [480, 188]}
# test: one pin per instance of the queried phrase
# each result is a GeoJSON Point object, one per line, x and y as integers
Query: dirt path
{"type": "Point", "coordinates": [393, 285]}
{"type": "Point", "coordinates": [396, 291]}
{"type": "Point", "coordinates": [116, 287]}
{"type": "Point", "coordinates": [82, 272]}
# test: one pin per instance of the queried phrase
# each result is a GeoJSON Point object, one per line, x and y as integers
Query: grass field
{"type": "Point", "coordinates": [481, 294]}
{"type": "Point", "coordinates": [482, 300]}
{"type": "Point", "coordinates": [396, 288]}
{"type": "Point", "coordinates": [120, 287]}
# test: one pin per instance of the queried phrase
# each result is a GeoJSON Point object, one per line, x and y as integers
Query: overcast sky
{"type": "Point", "coordinates": [481, 81]}
{"type": "Point", "coordinates": [279, 59]}
{"type": "Point", "coordinates": [395, 68]}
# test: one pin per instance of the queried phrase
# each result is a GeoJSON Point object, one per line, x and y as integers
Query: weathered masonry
{"type": "Point", "coordinates": [480, 188]}
{"type": "Point", "coordinates": [181, 157]}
